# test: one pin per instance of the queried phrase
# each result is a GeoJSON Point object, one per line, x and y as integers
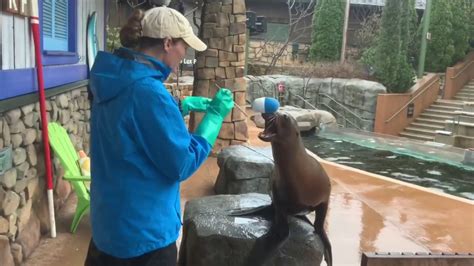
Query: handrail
{"type": "Point", "coordinates": [304, 100]}
{"type": "Point", "coordinates": [345, 108]}
{"type": "Point", "coordinates": [409, 102]}
{"type": "Point", "coordinates": [462, 70]}
{"type": "Point", "coordinates": [338, 103]}
{"type": "Point", "coordinates": [345, 119]}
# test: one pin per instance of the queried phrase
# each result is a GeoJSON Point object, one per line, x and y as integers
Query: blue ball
{"type": "Point", "coordinates": [265, 105]}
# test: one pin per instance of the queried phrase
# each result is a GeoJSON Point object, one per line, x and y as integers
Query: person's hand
{"type": "Point", "coordinates": [194, 103]}
{"type": "Point", "coordinates": [218, 109]}
{"type": "Point", "coordinates": [222, 103]}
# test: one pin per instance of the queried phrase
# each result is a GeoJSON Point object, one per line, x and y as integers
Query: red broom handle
{"type": "Point", "coordinates": [44, 119]}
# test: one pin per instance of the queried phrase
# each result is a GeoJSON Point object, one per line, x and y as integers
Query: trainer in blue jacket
{"type": "Point", "coordinates": [140, 147]}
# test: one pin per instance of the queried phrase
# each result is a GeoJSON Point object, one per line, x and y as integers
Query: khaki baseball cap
{"type": "Point", "coordinates": [161, 22]}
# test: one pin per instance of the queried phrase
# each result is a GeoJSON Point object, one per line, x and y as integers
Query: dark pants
{"type": "Point", "coordinates": [161, 257]}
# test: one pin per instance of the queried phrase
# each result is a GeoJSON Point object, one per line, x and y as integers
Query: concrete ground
{"type": "Point", "coordinates": [367, 213]}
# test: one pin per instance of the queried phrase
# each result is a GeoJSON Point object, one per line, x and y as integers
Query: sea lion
{"type": "Point", "coordinates": [299, 186]}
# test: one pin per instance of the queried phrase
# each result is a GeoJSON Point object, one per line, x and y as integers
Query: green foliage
{"type": "Point", "coordinates": [441, 49]}
{"type": "Point", "coordinates": [391, 53]}
{"type": "Point", "coordinates": [461, 28]}
{"type": "Point", "coordinates": [328, 23]}
{"type": "Point", "coordinates": [470, 4]}
{"type": "Point", "coordinates": [414, 40]}
{"type": "Point", "coordinates": [113, 38]}
{"type": "Point", "coordinates": [368, 58]}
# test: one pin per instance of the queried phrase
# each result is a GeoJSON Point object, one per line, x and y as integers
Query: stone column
{"type": "Point", "coordinates": [223, 29]}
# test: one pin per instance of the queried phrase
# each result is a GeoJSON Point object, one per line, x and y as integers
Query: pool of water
{"type": "Point", "coordinates": [430, 174]}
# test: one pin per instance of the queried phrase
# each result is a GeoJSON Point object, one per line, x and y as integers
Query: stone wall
{"type": "Point", "coordinates": [23, 204]}
{"type": "Point", "coordinates": [263, 52]}
{"type": "Point", "coordinates": [222, 65]}
{"type": "Point", "coordinates": [357, 98]}
{"type": "Point", "coordinates": [180, 91]}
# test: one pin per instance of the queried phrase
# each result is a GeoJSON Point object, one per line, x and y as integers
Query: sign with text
{"type": "Point", "coordinates": [17, 7]}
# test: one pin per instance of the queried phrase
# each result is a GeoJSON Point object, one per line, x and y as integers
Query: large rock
{"type": "Point", "coordinates": [212, 237]}
{"type": "Point", "coordinates": [29, 136]}
{"type": "Point", "coordinates": [6, 134]}
{"type": "Point", "coordinates": [10, 203]}
{"type": "Point", "coordinates": [307, 119]}
{"type": "Point", "coordinates": [29, 238]}
{"type": "Point", "coordinates": [17, 253]}
{"type": "Point", "coordinates": [27, 109]}
{"type": "Point", "coordinates": [24, 215]}
{"type": "Point", "coordinates": [6, 258]}
{"type": "Point", "coordinates": [354, 99]}
{"type": "Point", "coordinates": [244, 169]}
{"type": "Point", "coordinates": [13, 116]}
{"type": "Point", "coordinates": [12, 228]}
{"type": "Point", "coordinates": [19, 156]}
{"type": "Point", "coordinates": [4, 225]}
{"type": "Point", "coordinates": [18, 127]}
{"type": "Point", "coordinates": [8, 179]}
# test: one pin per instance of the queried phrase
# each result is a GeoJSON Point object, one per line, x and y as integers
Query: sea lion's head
{"type": "Point", "coordinates": [278, 126]}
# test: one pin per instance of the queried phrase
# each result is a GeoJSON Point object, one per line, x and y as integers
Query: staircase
{"type": "Point", "coordinates": [467, 93]}
{"type": "Point", "coordinates": [434, 117]}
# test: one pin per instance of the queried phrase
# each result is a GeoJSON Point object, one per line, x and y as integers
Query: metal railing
{"type": "Point", "coordinates": [327, 107]}
{"type": "Point", "coordinates": [410, 101]}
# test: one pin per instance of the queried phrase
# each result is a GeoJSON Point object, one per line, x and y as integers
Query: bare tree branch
{"type": "Point", "coordinates": [297, 11]}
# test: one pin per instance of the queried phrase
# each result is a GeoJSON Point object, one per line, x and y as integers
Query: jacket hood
{"type": "Point", "coordinates": [113, 73]}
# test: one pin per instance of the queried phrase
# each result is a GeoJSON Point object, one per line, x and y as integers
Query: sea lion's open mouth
{"type": "Point", "coordinates": [270, 130]}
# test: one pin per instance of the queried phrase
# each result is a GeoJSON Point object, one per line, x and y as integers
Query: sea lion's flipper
{"type": "Point", "coordinates": [264, 210]}
{"type": "Point", "coordinates": [321, 212]}
{"type": "Point", "coordinates": [266, 246]}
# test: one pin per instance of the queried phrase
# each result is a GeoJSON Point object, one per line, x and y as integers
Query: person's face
{"type": "Point", "coordinates": [175, 51]}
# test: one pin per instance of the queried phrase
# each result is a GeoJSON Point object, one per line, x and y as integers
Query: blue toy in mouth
{"type": "Point", "coordinates": [265, 105]}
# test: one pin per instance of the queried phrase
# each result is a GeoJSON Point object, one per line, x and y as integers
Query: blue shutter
{"type": "Point", "coordinates": [55, 25]}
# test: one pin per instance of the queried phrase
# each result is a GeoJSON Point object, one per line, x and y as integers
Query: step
{"type": "Point", "coordinates": [465, 94]}
{"type": "Point", "coordinates": [449, 103]}
{"type": "Point", "coordinates": [464, 113]}
{"type": "Point", "coordinates": [466, 123]}
{"type": "Point", "coordinates": [427, 126]}
{"type": "Point", "coordinates": [416, 136]}
{"type": "Point", "coordinates": [416, 130]}
{"type": "Point", "coordinates": [445, 107]}
{"type": "Point", "coordinates": [436, 116]}
{"type": "Point", "coordinates": [464, 99]}
{"type": "Point", "coordinates": [439, 112]}
{"type": "Point", "coordinates": [430, 121]}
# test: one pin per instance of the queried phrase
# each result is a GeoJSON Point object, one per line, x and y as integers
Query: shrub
{"type": "Point", "coordinates": [328, 23]}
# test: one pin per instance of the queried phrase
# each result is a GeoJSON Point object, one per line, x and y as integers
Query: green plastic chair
{"type": "Point", "coordinates": [64, 150]}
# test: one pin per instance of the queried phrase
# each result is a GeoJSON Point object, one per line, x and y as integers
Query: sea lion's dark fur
{"type": "Point", "coordinates": [299, 185]}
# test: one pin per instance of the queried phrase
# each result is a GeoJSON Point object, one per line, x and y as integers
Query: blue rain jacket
{"type": "Point", "coordinates": [140, 152]}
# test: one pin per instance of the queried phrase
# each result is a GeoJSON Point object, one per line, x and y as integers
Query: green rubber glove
{"type": "Point", "coordinates": [194, 103]}
{"type": "Point", "coordinates": [218, 109]}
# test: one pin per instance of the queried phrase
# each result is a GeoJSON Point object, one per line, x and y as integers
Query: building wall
{"type": "Point", "coordinates": [23, 204]}
{"type": "Point", "coordinates": [262, 53]}
{"type": "Point", "coordinates": [17, 39]}
{"type": "Point", "coordinates": [17, 52]}
{"type": "Point", "coordinates": [84, 9]}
